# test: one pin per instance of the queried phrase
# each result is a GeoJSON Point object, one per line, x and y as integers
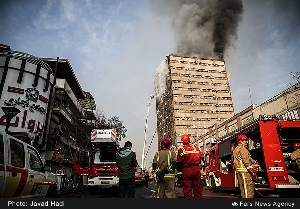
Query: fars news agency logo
{"type": "Point", "coordinates": [272, 204]}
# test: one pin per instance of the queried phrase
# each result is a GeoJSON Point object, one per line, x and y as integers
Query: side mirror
{"type": "Point", "coordinates": [47, 167]}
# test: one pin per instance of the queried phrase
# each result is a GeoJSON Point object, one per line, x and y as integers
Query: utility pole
{"type": "Point", "coordinates": [146, 126]}
{"type": "Point", "coordinates": [250, 95]}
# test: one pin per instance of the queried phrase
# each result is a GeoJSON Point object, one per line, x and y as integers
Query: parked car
{"type": "Point", "coordinates": [139, 176]}
{"type": "Point", "coordinates": [22, 172]}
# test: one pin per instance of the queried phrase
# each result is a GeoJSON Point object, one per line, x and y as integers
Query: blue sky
{"type": "Point", "coordinates": [115, 47]}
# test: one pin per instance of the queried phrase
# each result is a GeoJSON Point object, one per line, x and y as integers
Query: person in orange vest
{"type": "Point", "coordinates": [189, 159]}
{"type": "Point", "coordinates": [164, 165]}
{"type": "Point", "coordinates": [244, 169]}
{"type": "Point", "coordinates": [296, 154]}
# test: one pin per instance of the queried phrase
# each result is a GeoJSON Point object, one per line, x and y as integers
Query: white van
{"type": "Point", "coordinates": [22, 173]}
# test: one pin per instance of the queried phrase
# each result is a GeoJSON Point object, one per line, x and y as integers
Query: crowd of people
{"type": "Point", "coordinates": [185, 165]}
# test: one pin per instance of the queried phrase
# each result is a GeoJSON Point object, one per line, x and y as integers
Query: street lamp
{"type": "Point", "coordinates": [9, 112]}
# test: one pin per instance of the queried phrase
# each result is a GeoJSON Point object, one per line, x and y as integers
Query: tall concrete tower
{"type": "Point", "coordinates": [192, 94]}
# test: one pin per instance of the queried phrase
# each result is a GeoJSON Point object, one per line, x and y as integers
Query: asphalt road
{"type": "Point", "coordinates": [142, 192]}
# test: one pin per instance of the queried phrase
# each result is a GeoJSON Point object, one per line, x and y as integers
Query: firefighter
{"type": "Point", "coordinates": [244, 169]}
{"type": "Point", "coordinates": [164, 165]}
{"type": "Point", "coordinates": [189, 158]}
{"type": "Point", "coordinates": [296, 154]}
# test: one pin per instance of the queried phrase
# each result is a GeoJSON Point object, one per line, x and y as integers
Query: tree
{"type": "Point", "coordinates": [102, 122]}
{"type": "Point", "coordinates": [115, 123]}
{"type": "Point", "coordinates": [296, 76]}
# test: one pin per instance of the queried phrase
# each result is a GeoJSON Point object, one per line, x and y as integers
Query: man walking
{"type": "Point", "coordinates": [126, 162]}
{"type": "Point", "coordinates": [146, 179]}
{"type": "Point", "coordinates": [244, 169]}
{"type": "Point", "coordinates": [189, 158]}
{"type": "Point", "coordinates": [164, 165]}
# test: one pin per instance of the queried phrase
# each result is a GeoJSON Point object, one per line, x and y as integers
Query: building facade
{"type": "Point", "coordinates": [285, 105]}
{"type": "Point", "coordinates": [71, 116]}
{"type": "Point", "coordinates": [26, 84]}
{"type": "Point", "coordinates": [52, 112]}
{"type": "Point", "coordinates": [196, 95]}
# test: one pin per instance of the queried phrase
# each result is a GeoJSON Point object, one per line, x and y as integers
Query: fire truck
{"type": "Point", "coordinates": [103, 171]}
{"type": "Point", "coordinates": [270, 145]}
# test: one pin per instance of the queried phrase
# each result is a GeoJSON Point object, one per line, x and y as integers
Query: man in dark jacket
{"type": "Point", "coordinates": [126, 162]}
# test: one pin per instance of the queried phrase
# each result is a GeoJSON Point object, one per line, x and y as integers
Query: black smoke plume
{"type": "Point", "coordinates": [203, 28]}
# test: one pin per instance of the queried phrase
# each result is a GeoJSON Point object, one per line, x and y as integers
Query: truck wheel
{"type": "Point", "coordinates": [213, 184]}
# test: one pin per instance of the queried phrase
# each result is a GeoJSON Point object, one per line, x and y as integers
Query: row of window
{"type": "Point", "coordinates": [198, 76]}
{"type": "Point", "coordinates": [197, 119]}
{"type": "Point", "coordinates": [197, 63]}
{"type": "Point", "coordinates": [215, 90]}
{"type": "Point", "coordinates": [201, 97]}
{"type": "Point", "coordinates": [193, 126]}
{"type": "Point", "coordinates": [202, 104]}
{"type": "Point", "coordinates": [199, 83]}
{"type": "Point", "coordinates": [202, 111]}
{"type": "Point", "coordinates": [198, 69]}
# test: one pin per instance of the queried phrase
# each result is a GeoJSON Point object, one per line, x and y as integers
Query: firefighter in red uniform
{"type": "Point", "coordinates": [296, 154]}
{"type": "Point", "coordinates": [189, 158]}
{"type": "Point", "coordinates": [164, 165]}
{"type": "Point", "coordinates": [244, 170]}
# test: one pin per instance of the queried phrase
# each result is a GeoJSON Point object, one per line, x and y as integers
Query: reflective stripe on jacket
{"type": "Point", "coordinates": [163, 159]}
{"type": "Point", "coordinates": [242, 159]}
{"type": "Point", "coordinates": [189, 155]}
{"type": "Point", "coordinates": [194, 151]}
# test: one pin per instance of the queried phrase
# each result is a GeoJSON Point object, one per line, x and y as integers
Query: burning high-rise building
{"type": "Point", "coordinates": [192, 94]}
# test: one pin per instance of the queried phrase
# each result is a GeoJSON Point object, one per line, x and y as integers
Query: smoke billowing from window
{"type": "Point", "coordinates": [160, 79]}
{"type": "Point", "coordinates": [202, 28]}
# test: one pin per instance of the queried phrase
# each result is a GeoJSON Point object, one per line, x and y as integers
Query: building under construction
{"type": "Point", "coordinates": [196, 96]}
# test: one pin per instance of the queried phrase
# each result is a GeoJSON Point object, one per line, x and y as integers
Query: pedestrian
{"type": "Point", "coordinates": [189, 159]}
{"type": "Point", "coordinates": [244, 170]}
{"type": "Point", "coordinates": [164, 165]}
{"type": "Point", "coordinates": [126, 162]}
{"type": "Point", "coordinates": [146, 179]}
{"type": "Point", "coordinates": [295, 155]}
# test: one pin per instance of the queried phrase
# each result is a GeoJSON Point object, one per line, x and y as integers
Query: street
{"type": "Point", "coordinates": [142, 192]}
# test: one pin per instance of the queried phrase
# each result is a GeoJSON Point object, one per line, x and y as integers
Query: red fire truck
{"type": "Point", "coordinates": [270, 145]}
{"type": "Point", "coordinates": [103, 171]}
{"type": "Point", "coordinates": [81, 168]}
{"type": "Point", "coordinates": [97, 168]}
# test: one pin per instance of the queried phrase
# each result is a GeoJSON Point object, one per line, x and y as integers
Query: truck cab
{"type": "Point", "coordinates": [103, 168]}
{"type": "Point", "coordinates": [270, 145]}
{"type": "Point", "coordinates": [22, 172]}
